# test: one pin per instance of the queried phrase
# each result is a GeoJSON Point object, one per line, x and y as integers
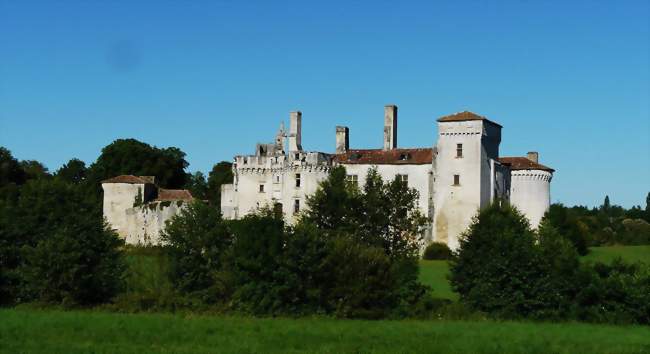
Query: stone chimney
{"type": "Point", "coordinates": [390, 127]}
{"type": "Point", "coordinates": [533, 156]}
{"type": "Point", "coordinates": [295, 131]}
{"type": "Point", "coordinates": [342, 139]}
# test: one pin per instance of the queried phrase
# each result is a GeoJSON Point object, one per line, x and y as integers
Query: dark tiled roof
{"type": "Point", "coordinates": [464, 116]}
{"type": "Point", "coordinates": [523, 163]}
{"type": "Point", "coordinates": [129, 179]}
{"type": "Point", "coordinates": [174, 194]}
{"type": "Point", "coordinates": [417, 156]}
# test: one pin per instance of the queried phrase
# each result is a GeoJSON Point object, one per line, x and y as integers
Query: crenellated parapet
{"type": "Point", "coordinates": [532, 175]}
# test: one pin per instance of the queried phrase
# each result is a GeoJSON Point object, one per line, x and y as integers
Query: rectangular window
{"type": "Point", "coordinates": [456, 180]}
{"type": "Point", "coordinates": [261, 188]}
{"type": "Point", "coordinates": [296, 206]}
{"type": "Point", "coordinates": [277, 179]}
{"type": "Point", "coordinates": [297, 180]}
{"type": "Point", "coordinates": [352, 179]}
{"type": "Point", "coordinates": [403, 178]}
{"type": "Point", "coordinates": [459, 150]}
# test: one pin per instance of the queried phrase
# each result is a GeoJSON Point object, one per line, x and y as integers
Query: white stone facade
{"type": "Point", "coordinates": [455, 179]}
{"type": "Point", "coordinates": [137, 209]}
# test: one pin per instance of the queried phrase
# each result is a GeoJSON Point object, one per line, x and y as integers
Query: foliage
{"type": "Point", "coordinates": [34, 169]}
{"type": "Point", "coordinates": [74, 171]}
{"type": "Point", "coordinates": [614, 293]}
{"type": "Point", "coordinates": [220, 174]}
{"type": "Point", "coordinates": [10, 170]}
{"type": "Point", "coordinates": [195, 241]}
{"type": "Point", "coordinates": [498, 269]}
{"type": "Point", "coordinates": [56, 248]}
{"type": "Point", "coordinates": [130, 156]}
{"type": "Point", "coordinates": [437, 251]}
{"type": "Point", "coordinates": [608, 224]}
{"type": "Point", "coordinates": [197, 185]}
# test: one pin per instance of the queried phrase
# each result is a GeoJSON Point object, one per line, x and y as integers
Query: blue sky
{"type": "Point", "coordinates": [569, 79]}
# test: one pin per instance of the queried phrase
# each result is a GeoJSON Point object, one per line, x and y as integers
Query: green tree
{"type": "Point", "coordinates": [335, 205]}
{"type": "Point", "coordinates": [55, 246]}
{"type": "Point", "coordinates": [10, 170]}
{"type": "Point", "coordinates": [606, 205]}
{"type": "Point", "coordinates": [74, 171]}
{"type": "Point", "coordinates": [197, 185]}
{"type": "Point", "coordinates": [196, 240]}
{"type": "Point", "coordinates": [130, 156]}
{"type": "Point", "coordinates": [34, 169]}
{"type": "Point", "coordinates": [498, 269]}
{"type": "Point", "coordinates": [221, 173]}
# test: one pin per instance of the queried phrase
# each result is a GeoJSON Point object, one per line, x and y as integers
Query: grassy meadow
{"type": "Point", "coordinates": [27, 330]}
{"type": "Point", "coordinates": [37, 331]}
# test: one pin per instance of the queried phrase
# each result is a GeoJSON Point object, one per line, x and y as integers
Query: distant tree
{"type": "Point", "coordinates": [221, 173]}
{"type": "Point", "coordinates": [10, 170]}
{"type": "Point", "coordinates": [34, 169]}
{"type": "Point", "coordinates": [569, 224]}
{"type": "Point", "coordinates": [197, 185]}
{"type": "Point", "coordinates": [74, 171]}
{"type": "Point", "coordinates": [606, 205]}
{"type": "Point", "coordinates": [130, 156]}
{"type": "Point", "coordinates": [647, 207]}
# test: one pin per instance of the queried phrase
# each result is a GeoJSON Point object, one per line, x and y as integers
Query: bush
{"type": "Point", "coordinates": [498, 269]}
{"type": "Point", "coordinates": [437, 251]}
{"type": "Point", "coordinates": [195, 241]}
{"type": "Point", "coordinates": [615, 293]}
{"type": "Point", "coordinates": [79, 264]}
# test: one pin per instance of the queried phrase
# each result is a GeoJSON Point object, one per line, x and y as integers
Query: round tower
{"type": "Point", "coordinates": [530, 186]}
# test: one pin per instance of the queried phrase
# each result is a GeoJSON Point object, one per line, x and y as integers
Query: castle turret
{"type": "Point", "coordinates": [530, 186]}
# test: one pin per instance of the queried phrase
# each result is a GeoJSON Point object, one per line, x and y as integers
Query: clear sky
{"type": "Point", "coordinates": [569, 79]}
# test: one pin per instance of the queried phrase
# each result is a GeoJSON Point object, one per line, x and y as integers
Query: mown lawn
{"type": "Point", "coordinates": [607, 254]}
{"type": "Point", "coordinates": [35, 331]}
{"type": "Point", "coordinates": [434, 274]}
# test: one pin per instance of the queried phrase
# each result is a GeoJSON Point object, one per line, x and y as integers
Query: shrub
{"type": "Point", "coordinates": [437, 251]}
{"type": "Point", "coordinates": [195, 241]}
{"type": "Point", "coordinates": [614, 293]}
{"type": "Point", "coordinates": [498, 268]}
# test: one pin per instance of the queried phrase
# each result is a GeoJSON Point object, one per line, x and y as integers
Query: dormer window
{"type": "Point", "coordinates": [459, 150]}
{"type": "Point", "coordinates": [405, 156]}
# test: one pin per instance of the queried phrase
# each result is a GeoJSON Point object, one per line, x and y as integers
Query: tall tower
{"type": "Point", "coordinates": [467, 145]}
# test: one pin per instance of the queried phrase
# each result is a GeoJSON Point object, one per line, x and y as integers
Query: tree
{"type": "Point", "coordinates": [55, 246]}
{"type": "Point", "coordinates": [196, 240]}
{"type": "Point", "coordinates": [74, 171]}
{"type": "Point", "coordinates": [220, 174]}
{"type": "Point", "coordinates": [335, 205]}
{"type": "Point", "coordinates": [10, 170]}
{"type": "Point", "coordinates": [606, 205]}
{"type": "Point", "coordinates": [498, 268]}
{"type": "Point", "coordinates": [647, 207]}
{"type": "Point", "coordinates": [197, 185]}
{"type": "Point", "coordinates": [130, 156]}
{"type": "Point", "coordinates": [34, 169]}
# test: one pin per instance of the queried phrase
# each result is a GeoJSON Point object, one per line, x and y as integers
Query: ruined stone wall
{"type": "Point", "coordinates": [145, 223]}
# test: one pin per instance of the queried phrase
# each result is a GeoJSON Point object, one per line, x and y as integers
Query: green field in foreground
{"type": "Point", "coordinates": [35, 331]}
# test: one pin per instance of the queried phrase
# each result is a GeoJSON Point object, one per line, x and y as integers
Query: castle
{"type": "Point", "coordinates": [462, 173]}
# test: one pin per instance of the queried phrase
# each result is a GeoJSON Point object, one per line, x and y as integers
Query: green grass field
{"type": "Point", "coordinates": [434, 274]}
{"type": "Point", "coordinates": [607, 254]}
{"type": "Point", "coordinates": [34, 331]}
